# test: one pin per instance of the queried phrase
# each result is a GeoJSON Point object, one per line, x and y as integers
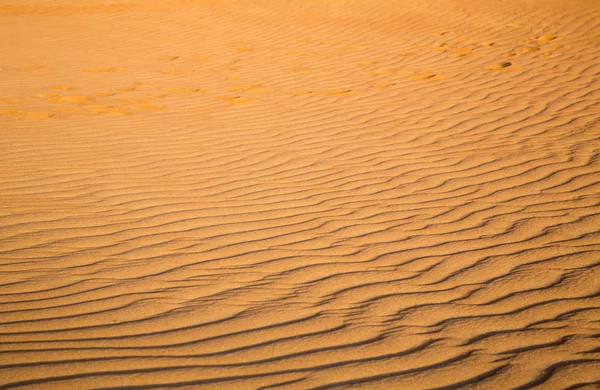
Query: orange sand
{"type": "Point", "coordinates": [303, 194]}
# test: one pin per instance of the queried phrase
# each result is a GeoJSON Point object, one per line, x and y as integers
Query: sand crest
{"type": "Point", "coordinates": [300, 194]}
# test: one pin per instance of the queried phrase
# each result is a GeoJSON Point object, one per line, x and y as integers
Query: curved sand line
{"type": "Point", "coordinates": [300, 194]}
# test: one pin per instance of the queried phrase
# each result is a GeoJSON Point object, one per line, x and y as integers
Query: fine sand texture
{"type": "Point", "coordinates": [300, 194]}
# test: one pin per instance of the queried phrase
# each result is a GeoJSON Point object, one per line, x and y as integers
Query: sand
{"type": "Point", "coordinates": [300, 194]}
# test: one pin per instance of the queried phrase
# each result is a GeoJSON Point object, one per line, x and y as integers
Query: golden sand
{"type": "Point", "coordinates": [300, 194]}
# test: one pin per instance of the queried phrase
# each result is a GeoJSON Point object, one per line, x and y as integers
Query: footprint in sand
{"type": "Point", "coordinates": [150, 107]}
{"type": "Point", "coordinates": [107, 110]}
{"type": "Point", "coordinates": [60, 88]}
{"type": "Point", "coordinates": [27, 114]}
{"type": "Point", "coordinates": [502, 66]}
{"type": "Point", "coordinates": [235, 100]}
{"type": "Point", "coordinates": [546, 38]}
{"type": "Point", "coordinates": [4, 99]}
{"type": "Point", "coordinates": [456, 51]}
{"type": "Point", "coordinates": [10, 112]}
{"type": "Point", "coordinates": [461, 52]}
{"type": "Point", "coordinates": [440, 46]}
{"type": "Point", "coordinates": [38, 115]}
{"type": "Point", "coordinates": [77, 99]}
{"type": "Point", "coordinates": [45, 95]}
{"type": "Point", "coordinates": [529, 49]}
{"type": "Point", "coordinates": [365, 63]}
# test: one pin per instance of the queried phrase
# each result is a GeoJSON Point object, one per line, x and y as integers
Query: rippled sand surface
{"type": "Point", "coordinates": [300, 194]}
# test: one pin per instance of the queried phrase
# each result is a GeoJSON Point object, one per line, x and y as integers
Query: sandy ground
{"type": "Point", "coordinates": [300, 194]}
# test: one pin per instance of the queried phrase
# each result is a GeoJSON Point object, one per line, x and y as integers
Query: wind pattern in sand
{"type": "Point", "coordinates": [300, 194]}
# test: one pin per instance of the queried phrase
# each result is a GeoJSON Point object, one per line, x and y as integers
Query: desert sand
{"type": "Point", "coordinates": [301, 194]}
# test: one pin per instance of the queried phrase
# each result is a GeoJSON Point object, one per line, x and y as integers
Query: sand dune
{"type": "Point", "coordinates": [300, 194]}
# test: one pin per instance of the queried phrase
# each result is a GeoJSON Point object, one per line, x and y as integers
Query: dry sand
{"type": "Point", "coordinates": [300, 194]}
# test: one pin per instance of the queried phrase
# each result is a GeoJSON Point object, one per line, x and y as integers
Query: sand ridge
{"type": "Point", "coordinates": [299, 194]}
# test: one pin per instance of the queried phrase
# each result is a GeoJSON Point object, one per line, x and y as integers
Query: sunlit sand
{"type": "Point", "coordinates": [302, 194]}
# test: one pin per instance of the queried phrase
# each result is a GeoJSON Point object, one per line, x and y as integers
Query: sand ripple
{"type": "Point", "coordinates": [300, 194]}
